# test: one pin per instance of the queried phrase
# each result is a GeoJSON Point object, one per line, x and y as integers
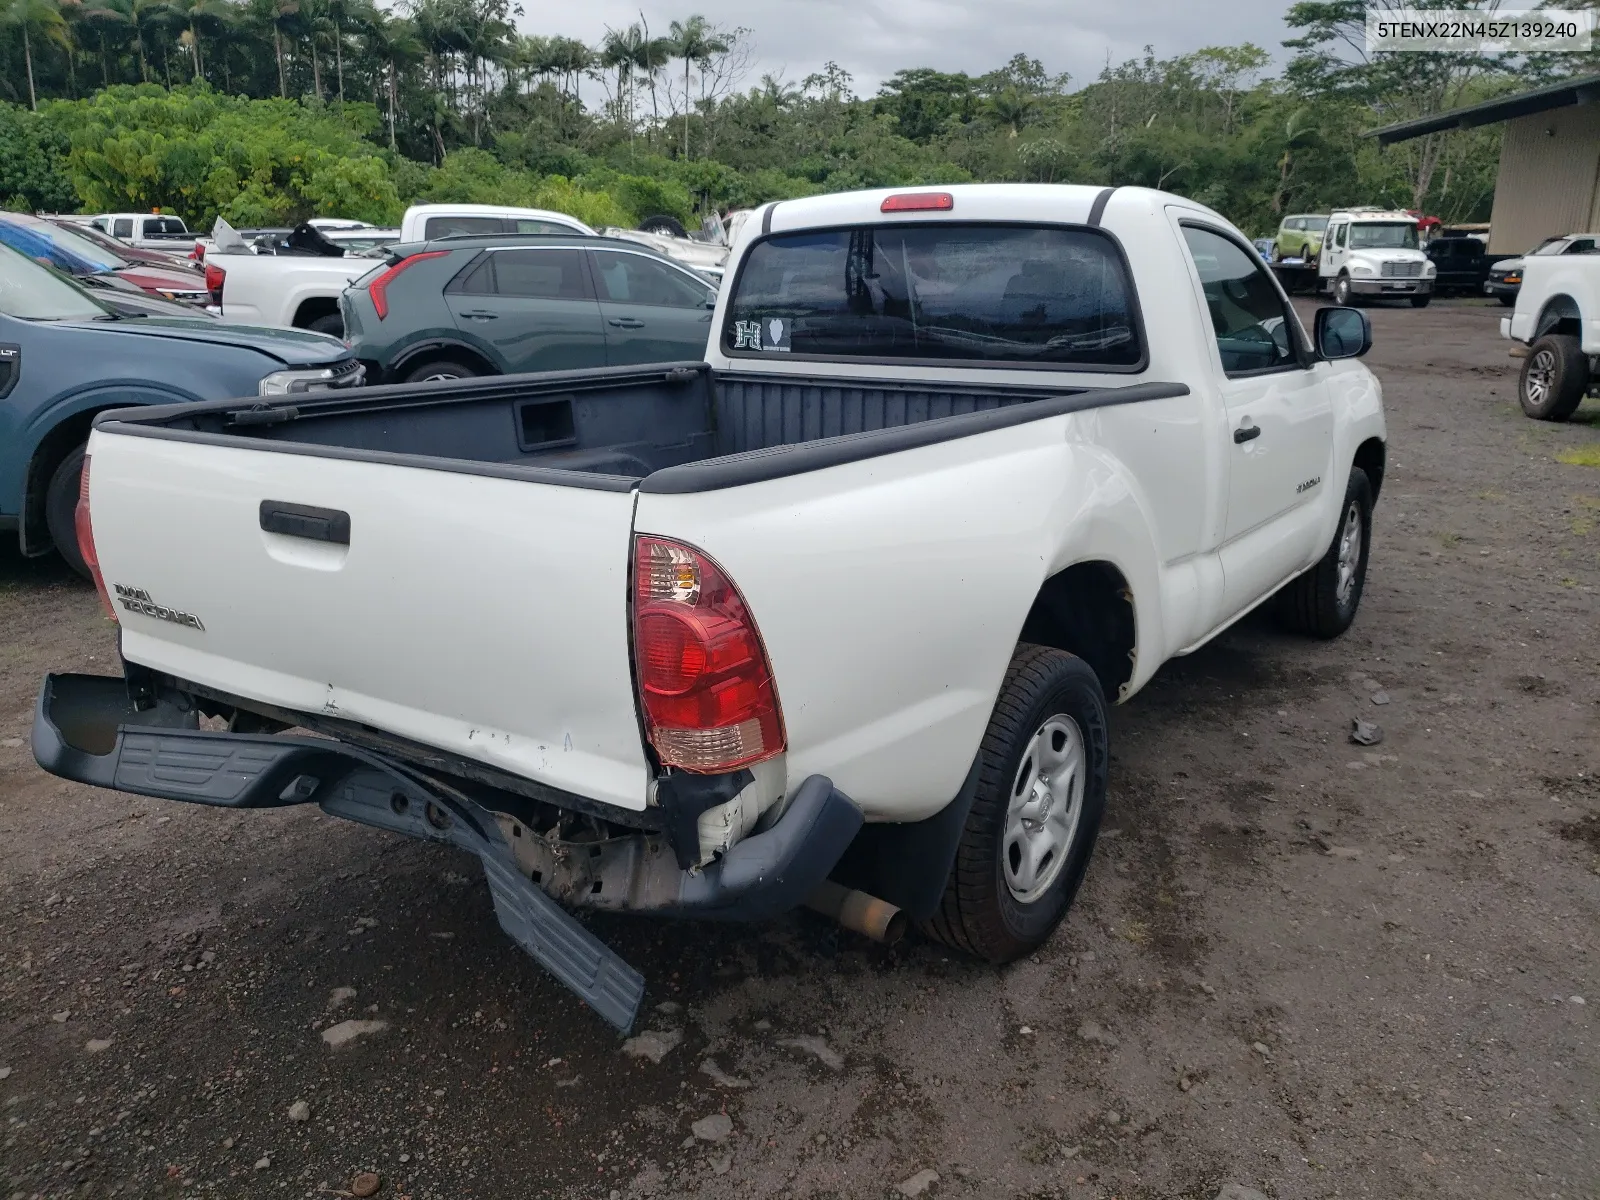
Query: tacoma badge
{"type": "Point", "coordinates": [138, 600]}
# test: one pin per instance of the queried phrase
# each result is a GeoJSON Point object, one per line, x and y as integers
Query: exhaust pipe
{"type": "Point", "coordinates": [859, 912]}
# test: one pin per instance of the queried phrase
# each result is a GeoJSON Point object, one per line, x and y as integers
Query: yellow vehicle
{"type": "Point", "coordinates": [1300, 236]}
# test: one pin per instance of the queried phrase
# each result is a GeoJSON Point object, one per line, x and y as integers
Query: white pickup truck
{"type": "Point", "coordinates": [1557, 318]}
{"type": "Point", "coordinates": [152, 231]}
{"type": "Point", "coordinates": [832, 617]}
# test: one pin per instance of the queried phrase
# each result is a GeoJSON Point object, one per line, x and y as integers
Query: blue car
{"type": "Point", "coordinates": [65, 357]}
{"type": "Point", "coordinates": [1264, 247]}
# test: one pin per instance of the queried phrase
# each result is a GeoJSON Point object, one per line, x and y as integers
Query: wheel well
{"type": "Point", "coordinates": [1087, 610]}
{"type": "Point", "coordinates": [453, 351]}
{"type": "Point", "coordinates": [1370, 457]}
{"type": "Point", "coordinates": [54, 447]}
{"type": "Point", "coordinates": [1559, 315]}
{"type": "Point", "coordinates": [315, 309]}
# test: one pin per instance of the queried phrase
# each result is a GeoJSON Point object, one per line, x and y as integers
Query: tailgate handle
{"type": "Point", "coordinates": [304, 521]}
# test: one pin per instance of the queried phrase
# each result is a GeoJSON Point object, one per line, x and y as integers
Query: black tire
{"type": "Point", "coordinates": [1508, 301]}
{"type": "Point", "coordinates": [61, 510]}
{"type": "Point", "coordinates": [333, 323]}
{"type": "Point", "coordinates": [980, 913]}
{"type": "Point", "coordinates": [1420, 301]}
{"type": "Point", "coordinates": [1314, 604]}
{"type": "Point", "coordinates": [663, 223]}
{"type": "Point", "coordinates": [1554, 379]}
{"type": "Point", "coordinates": [440, 369]}
{"type": "Point", "coordinates": [1341, 291]}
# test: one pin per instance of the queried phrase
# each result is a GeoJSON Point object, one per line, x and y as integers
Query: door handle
{"type": "Point", "coordinates": [1246, 433]}
{"type": "Point", "coordinates": [625, 323]}
{"type": "Point", "coordinates": [304, 521]}
{"type": "Point", "coordinates": [478, 314]}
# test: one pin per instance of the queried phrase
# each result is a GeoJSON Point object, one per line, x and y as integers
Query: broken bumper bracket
{"type": "Point", "coordinates": [86, 729]}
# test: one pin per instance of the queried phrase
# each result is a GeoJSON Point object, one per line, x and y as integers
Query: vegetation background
{"type": "Point", "coordinates": [268, 111]}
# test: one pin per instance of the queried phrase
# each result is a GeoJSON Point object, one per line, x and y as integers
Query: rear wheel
{"type": "Point", "coordinates": [333, 324]}
{"type": "Point", "coordinates": [1323, 601]}
{"type": "Point", "coordinates": [1032, 826]}
{"type": "Point", "coordinates": [61, 509]}
{"type": "Point", "coordinates": [440, 369]}
{"type": "Point", "coordinates": [1420, 301]}
{"type": "Point", "coordinates": [664, 224]}
{"type": "Point", "coordinates": [1508, 301]}
{"type": "Point", "coordinates": [1555, 377]}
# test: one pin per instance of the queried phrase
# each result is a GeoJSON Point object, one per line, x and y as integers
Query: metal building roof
{"type": "Point", "coordinates": [1582, 90]}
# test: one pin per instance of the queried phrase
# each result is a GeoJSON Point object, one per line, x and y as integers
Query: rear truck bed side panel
{"type": "Point", "coordinates": [504, 639]}
{"type": "Point", "coordinates": [913, 573]}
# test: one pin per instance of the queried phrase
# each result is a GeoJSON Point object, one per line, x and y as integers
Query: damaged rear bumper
{"type": "Point", "coordinates": [87, 729]}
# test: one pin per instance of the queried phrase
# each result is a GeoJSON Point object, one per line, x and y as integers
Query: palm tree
{"type": "Point", "coordinates": [119, 14]}
{"type": "Point", "coordinates": [619, 51]}
{"type": "Point", "coordinates": [695, 41]}
{"type": "Point", "coordinates": [40, 18]}
{"type": "Point", "coordinates": [278, 16]}
{"type": "Point", "coordinates": [393, 41]}
{"type": "Point", "coordinates": [192, 12]}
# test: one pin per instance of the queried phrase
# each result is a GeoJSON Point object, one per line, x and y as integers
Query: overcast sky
{"type": "Point", "coordinates": [872, 39]}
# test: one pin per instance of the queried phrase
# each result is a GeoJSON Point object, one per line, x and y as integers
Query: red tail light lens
{"type": "Point", "coordinates": [85, 532]}
{"type": "Point", "coordinates": [378, 289]}
{"type": "Point", "coordinates": [704, 681]}
{"type": "Point", "coordinates": [215, 278]}
{"type": "Point", "coordinates": [918, 202]}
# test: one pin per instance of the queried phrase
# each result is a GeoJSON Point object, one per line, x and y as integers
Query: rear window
{"type": "Point", "coordinates": [947, 292]}
{"type": "Point", "coordinates": [155, 226]}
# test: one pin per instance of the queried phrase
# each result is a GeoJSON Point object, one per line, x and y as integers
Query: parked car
{"type": "Point", "coordinates": [1460, 264]}
{"type": "Point", "coordinates": [1300, 236]}
{"type": "Point", "coordinates": [303, 290]}
{"type": "Point", "coordinates": [175, 259]}
{"type": "Point", "coordinates": [468, 306]}
{"type": "Point", "coordinates": [1556, 318]}
{"type": "Point", "coordinates": [153, 231]}
{"type": "Point", "coordinates": [69, 251]}
{"type": "Point", "coordinates": [1505, 276]}
{"type": "Point", "coordinates": [66, 355]}
{"type": "Point", "coordinates": [833, 614]}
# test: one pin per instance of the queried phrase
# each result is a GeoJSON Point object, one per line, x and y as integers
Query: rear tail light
{"type": "Point", "coordinates": [918, 202]}
{"type": "Point", "coordinates": [705, 684]}
{"type": "Point", "coordinates": [85, 532]}
{"type": "Point", "coordinates": [378, 289]}
{"type": "Point", "coordinates": [215, 278]}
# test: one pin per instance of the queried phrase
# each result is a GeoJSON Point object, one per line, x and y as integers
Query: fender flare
{"type": "Point", "coordinates": [55, 429]}
{"type": "Point", "coordinates": [1557, 308]}
{"type": "Point", "coordinates": [431, 345]}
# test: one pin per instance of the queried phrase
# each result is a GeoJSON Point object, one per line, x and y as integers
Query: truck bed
{"type": "Point", "coordinates": [672, 427]}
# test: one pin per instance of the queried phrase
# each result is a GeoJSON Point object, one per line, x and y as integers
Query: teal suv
{"type": "Point", "coordinates": [484, 304]}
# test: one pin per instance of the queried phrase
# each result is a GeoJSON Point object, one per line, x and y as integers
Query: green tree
{"type": "Point", "coordinates": [695, 41]}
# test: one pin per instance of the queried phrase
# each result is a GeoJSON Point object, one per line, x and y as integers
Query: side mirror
{"type": "Point", "coordinates": [1343, 332]}
{"type": "Point", "coordinates": [711, 299]}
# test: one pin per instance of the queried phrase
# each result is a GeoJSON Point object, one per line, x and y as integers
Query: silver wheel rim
{"type": "Point", "coordinates": [439, 375]}
{"type": "Point", "coordinates": [1349, 553]}
{"type": "Point", "coordinates": [1342, 291]}
{"type": "Point", "coordinates": [1541, 376]}
{"type": "Point", "coordinates": [1045, 807]}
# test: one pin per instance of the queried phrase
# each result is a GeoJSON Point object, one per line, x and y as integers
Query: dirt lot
{"type": "Point", "coordinates": [1298, 965]}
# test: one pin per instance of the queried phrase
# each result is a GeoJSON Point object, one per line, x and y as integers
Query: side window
{"type": "Point", "coordinates": [476, 280]}
{"type": "Point", "coordinates": [1580, 246]}
{"type": "Point", "coordinates": [541, 274]}
{"type": "Point", "coordinates": [635, 279]}
{"type": "Point", "coordinates": [1248, 316]}
{"type": "Point", "coordinates": [1339, 234]}
{"type": "Point", "coordinates": [438, 227]}
{"type": "Point", "coordinates": [1297, 223]}
{"type": "Point", "coordinates": [530, 225]}
{"type": "Point", "coordinates": [122, 229]}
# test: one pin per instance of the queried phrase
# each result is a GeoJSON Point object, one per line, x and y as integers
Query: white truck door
{"type": "Point", "coordinates": [1335, 249]}
{"type": "Point", "coordinates": [1279, 419]}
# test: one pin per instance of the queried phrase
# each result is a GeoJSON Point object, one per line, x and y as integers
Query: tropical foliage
{"type": "Point", "coordinates": [267, 110]}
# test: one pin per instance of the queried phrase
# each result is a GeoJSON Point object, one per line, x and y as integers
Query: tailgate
{"type": "Point", "coordinates": [480, 615]}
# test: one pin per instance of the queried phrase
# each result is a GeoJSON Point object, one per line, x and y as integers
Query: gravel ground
{"type": "Point", "coordinates": [1298, 966]}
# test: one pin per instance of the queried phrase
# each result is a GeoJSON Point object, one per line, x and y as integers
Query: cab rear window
{"type": "Point", "coordinates": [962, 292]}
